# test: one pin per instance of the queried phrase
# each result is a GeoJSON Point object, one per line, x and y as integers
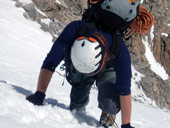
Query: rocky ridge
{"type": "Point", "coordinates": [152, 84]}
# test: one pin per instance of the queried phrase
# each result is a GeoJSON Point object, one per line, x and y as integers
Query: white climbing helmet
{"type": "Point", "coordinates": [126, 9]}
{"type": "Point", "coordinates": [88, 55]}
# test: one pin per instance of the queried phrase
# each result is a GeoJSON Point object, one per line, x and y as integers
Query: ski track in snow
{"type": "Point", "coordinates": [23, 47]}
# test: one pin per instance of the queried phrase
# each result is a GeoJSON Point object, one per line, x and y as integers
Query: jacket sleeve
{"type": "Point", "coordinates": [123, 71]}
{"type": "Point", "coordinates": [56, 54]}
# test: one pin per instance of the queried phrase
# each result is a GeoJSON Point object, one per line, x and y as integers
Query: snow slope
{"type": "Point", "coordinates": [23, 46]}
{"type": "Point", "coordinates": [152, 61]}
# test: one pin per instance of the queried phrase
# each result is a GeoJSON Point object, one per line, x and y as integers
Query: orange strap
{"type": "Point", "coordinates": [143, 22]}
{"type": "Point", "coordinates": [94, 1]}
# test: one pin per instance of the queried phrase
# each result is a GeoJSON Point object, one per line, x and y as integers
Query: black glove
{"type": "Point", "coordinates": [37, 98]}
{"type": "Point", "coordinates": [126, 126]}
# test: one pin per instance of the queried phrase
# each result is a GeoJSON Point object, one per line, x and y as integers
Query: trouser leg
{"type": "Point", "coordinates": [108, 96]}
{"type": "Point", "coordinates": [81, 85]}
{"type": "Point", "coordinates": [79, 97]}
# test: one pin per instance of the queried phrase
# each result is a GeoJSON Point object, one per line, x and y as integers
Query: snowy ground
{"type": "Point", "coordinates": [23, 46]}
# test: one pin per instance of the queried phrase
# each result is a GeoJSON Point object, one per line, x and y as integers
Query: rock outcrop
{"type": "Point", "coordinates": [52, 15]}
{"type": "Point", "coordinates": [152, 84]}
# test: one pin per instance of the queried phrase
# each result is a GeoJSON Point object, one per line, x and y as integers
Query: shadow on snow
{"type": "Point", "coordinates": [81, 117]}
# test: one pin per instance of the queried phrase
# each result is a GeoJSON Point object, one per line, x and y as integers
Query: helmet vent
{"type": "Point", "coordinates": [126, 19]}
{"type": "Point", "coordinates": [97, 63]}
{"type": "Point", "coordinates": [97, 47]}
{"type": "Point", "coordinates": [130, 11]}
{"type": "Point", "coordinates": [83, 44]}
{"type": "Point", "coordinates": [98, 55]}
{"type": "Point", "coordinates": [108, 7]}
{"type": "Point", "coordinates": [133, 3]}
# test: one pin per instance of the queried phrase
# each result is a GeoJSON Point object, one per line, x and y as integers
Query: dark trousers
{"type": "Point", "coordinates": [108, 96]}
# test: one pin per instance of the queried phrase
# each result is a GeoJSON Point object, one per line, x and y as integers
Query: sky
{"type": "Point", "coordinates": [23, 47]}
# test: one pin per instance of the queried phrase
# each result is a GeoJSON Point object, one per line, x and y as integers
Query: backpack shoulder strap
{"type": "Point", "coordinates": [117, 44]}
{"type": "Point", "coordinates": [84, 29]}
{"type": "Point", "coordinates": [115, 49]}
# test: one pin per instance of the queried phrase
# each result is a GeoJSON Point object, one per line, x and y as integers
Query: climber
{"type": "Point", "coordinates": [94, 51]}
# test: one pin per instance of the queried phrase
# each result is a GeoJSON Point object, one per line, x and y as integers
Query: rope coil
{"type": "Point", "coordinates": [143, 22]}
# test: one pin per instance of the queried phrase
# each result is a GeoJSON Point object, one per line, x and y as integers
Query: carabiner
{"type": "Point", "coordinates": [63, 67]}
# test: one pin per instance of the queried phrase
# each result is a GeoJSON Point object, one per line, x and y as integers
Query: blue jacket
{"type": "Point", "coordinates": [68, 36]}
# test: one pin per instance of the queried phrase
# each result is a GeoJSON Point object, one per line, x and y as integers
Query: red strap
{"type": "Point", "coordinates": [94, 1]}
